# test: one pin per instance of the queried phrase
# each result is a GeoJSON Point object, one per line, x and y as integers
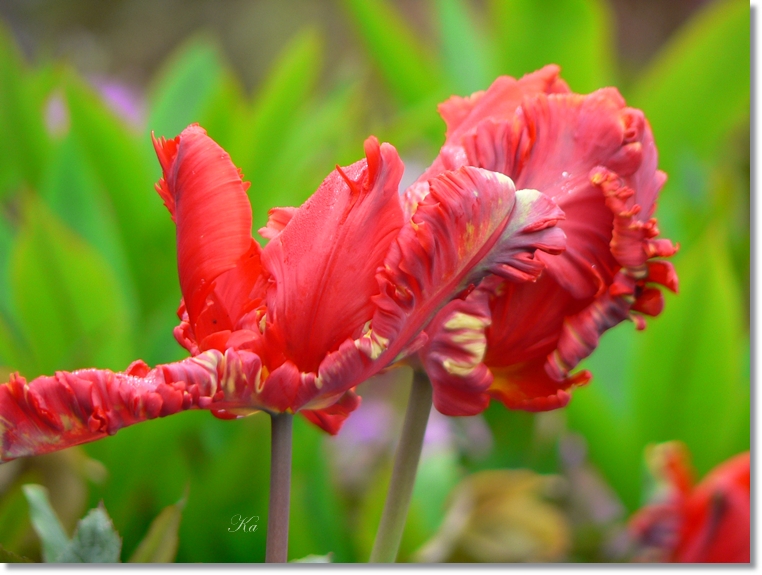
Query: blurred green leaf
{"type": "Point", "coordinates": [467, 56]}
{"type": "Point", "coordinates": [25, 143]}
{"type": "Point", "coordinates": [318, 517]}
{"type": "Point", "coordinates": [72, 192]}
{"type": "Point", "coordinates": [438, 473]}
{"type": "Point", "coordinates": [575, 34]}
{"type": "Point", "coordinates": [160, 543]}
{"type": "Point", "coordinates": [688, 379]}
{"type": "Point", "coordinates": [186, 85]}
{"type": "Point", "coordinates": [698, 87]}
{"type": "Point", "coordinates": [126, 171]}
{"type": "Point", "coordinates": [45, 522]}
{"type": "Point", "coordinates": [10, 557]}
{"type": "Point", "coordinates": [68, 301]}
{"type": "Point", "coordinates": [410, 72]}
{"type": "Point", "coordinates": [314, 559]}
{"type": "Point", "coordinates": [610, 433]}
{"type": "Point", "coordinates": [300, 166]}
{"type": "Point", "coordinates": [285, 90]}
{"type": "Point", "coordinates": [94, 541]}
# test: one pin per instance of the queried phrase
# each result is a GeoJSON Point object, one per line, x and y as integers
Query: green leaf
{"type": "Point", "coordinates": [300, 166]}
{"type": "Point", "coordinates": [45, 522]}
{"type": "Point", "coordinates": [25, 143]}
{"type": "Point", "coordinates": [328, 558]}
{"type": "Point", "coordinates": [468, 59]}
{"type": "Point", "coordinates": [11, 557]}
{"type": "Point", "coordinates": [318, 518]}
{"type": "Point", "coordinates": [186, 86]}
{"type": "Point", "coordinates": [72, 191]}
{"type": "Point", "coordinates": [69, 304]}
{"type": "Point", "coordinates": [160, 543]}
{"type": "Point", "coordinates": [574, 34]}
{"type": "Point", "coordinates": [698, 87]}
{"type": "Point", "coordinates": [126, 170]}
{"type": "Point", "coordinates": [289, 83]}
{"type": "Point", "coordinates": [94, 541]}
{"type": "Point", "coordinates": [409, 71]}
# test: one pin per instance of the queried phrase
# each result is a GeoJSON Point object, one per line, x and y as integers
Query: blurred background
{"type": "Point", "coordinates": [88, 274]}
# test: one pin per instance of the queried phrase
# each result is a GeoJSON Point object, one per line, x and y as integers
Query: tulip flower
{"type": "Point", "coordinates": [518, 341]}
{"type": "Point", "coordinates": [683, 523]}
{"type": "Point", "coordinates": [343, 287]}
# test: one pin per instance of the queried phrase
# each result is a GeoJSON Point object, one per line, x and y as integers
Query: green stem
{"type": "Point", "coordinates": [280, 488]}
{"type": "Point", "coordinates": [406, 460]}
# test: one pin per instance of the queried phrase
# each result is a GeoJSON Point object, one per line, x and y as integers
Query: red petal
{"type": "Point", "coordinates": [716, 528]}
{"type": "Point", "coordinates": [324, 262]}
{"type": "Point", "coordinates": [332, 418]}
{"type": "Point", "coordinates": [204, 192]}
{"type": "Point", "coordinates": [528, 387]}
{"type": "Point", "coordinates": [277, 220]}
{"type": "Point", "coordinates": [499, 101]}
{"type": "Point", "coordinates": [527, 320]}
{"type": "Point", "coordinates": [470, 224]}
{"type": "Point", "coordinates": [663, 273]}
{"type": "Point", "coordinates": [650, 302]}
{"type": "Point", "coordinates": [54, 412]}
{"type": "Point", "coordinates": [581, 333]}
{"type": "Point", "coordinates": [453, 357]}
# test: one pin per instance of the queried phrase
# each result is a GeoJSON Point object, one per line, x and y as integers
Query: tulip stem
{"type": "Point", "coordinates": [406, 461]}
{"type": "Point", "coordinates": [280, 488]}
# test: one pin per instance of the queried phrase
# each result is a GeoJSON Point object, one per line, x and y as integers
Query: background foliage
{"type": "Point", "coordinates": [88, 273]}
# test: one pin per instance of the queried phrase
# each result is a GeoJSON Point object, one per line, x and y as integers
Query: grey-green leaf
{"type": "Point", "coordinates": [45, 522]}
{"type": "Point", "coordinates": [95, 540]}
{"type": "Point", "coordinates": [160, 543]}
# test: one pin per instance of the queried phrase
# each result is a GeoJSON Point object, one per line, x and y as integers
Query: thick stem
{"type": "Point", "coordinates": [406, 460]}
{"type": "Point", "coordinates": [280, 488]}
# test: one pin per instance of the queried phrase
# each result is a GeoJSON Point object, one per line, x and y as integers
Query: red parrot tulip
{"type": "Point", "coordinates": [518, 341]}
{"type": "Point", "coordinates": [706, 523]}
{"type": "Point", "coordinates": [344, 287]}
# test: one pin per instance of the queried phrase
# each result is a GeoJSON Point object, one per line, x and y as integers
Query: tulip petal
{"type": "Point", "coordinates": [54, 412]}
{"type": "Point", "coordinates": [277, 220]}
{"type": "Point", "coordinates": [332, 418]}
{"type": "Point", "coordinates": [324, 262]}
{"type": "Point", "coordinates": [453, 359]}
{"type": "Point", "coordinates": [528, 386]}
{"type": "Point", "coordinates": [470, 224]}
{"type": "Point", "coordinates": [498, 103]}
{"type": "Point", "coordinates": [204, 193]}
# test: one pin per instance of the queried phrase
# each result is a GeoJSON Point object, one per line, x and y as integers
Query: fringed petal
{"type": "Point", "coordinates": [552, 144]}
{"type": "Point", "coordinates": [204, 193]}
{"type": "Point", "coordinates": [497, 104]}
{"type": "Point", "coordinates": [528, 386]}
{"type": "Point", "coordinates": [581, 333]}
{"type": "Point", "coordinates": [277, 220]}
{"type": "Point", "coordinates": [454, 354]}
{"type": "Point", "coordinates": [324, 262]}
{"type": "Point", "coordinates": [332, 418]}
{"type": "Point", "coordinates": [471, 223]}
{"type": "Point", "coordinates": [499, 101]}
{"type": "Point", "coordinates": [597, 159]}
{"type": "Point", "coordinates": [54, 412]}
